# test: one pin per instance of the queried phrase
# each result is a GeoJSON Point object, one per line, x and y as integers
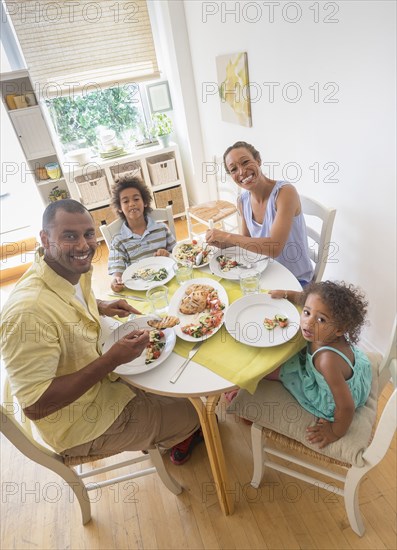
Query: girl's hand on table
{"type": "Point", "coordinates": [113, 308]}
{"type": "Point", "coordinates": [161, 252]}
{"type": "Point", "coordinates": [291, 295]}
{"type": "Point", "coordinates": [321, 433]}
{"type": "Point", "coordinates": [117, 284]}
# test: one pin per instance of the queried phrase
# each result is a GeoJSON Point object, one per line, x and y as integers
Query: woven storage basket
{"type": "Point", "coordinates": [162, 169]}
{"type": "Point", "coordinates": [102, 216]}
{"type": "Point", "coordinates": [174, 195]}
{"type": "Point", "coordinates": [127, 169]}
{"type": "Point", "coordinates": [93, 187]}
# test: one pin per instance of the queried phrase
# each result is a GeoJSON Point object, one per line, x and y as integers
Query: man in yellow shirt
{"type": "Point", "coordinates": [50, 329]}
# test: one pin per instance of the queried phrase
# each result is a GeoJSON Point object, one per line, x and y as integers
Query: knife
{"type": "Point", "coordinates": [130, 297]}
{"type": "Point", "coordinates": [191, 354]}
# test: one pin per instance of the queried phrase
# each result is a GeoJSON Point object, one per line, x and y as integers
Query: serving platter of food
{"type": "Point", "coordinates": [148, 273]}
{"type": "Point", "coordinates": [259, 320]}
{"type": "Point", "coordinates": [161, 344]}
{"type": "Point", "coordinates": [200, 305]}
{"type": "Point", "coordinates": [229, 263]}
{"type": "Point", "coordinates": [198, 253]}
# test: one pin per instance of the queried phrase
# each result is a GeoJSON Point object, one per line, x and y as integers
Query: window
{"type": "Point", "coordinates": [78, 118]}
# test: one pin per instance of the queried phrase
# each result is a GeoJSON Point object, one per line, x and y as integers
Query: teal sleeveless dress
{"type": "Point", "coordinates": [300, 377]}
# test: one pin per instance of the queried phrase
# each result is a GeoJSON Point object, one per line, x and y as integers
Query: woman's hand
{"type": "Point", "coordinates": [161, 252]}
{"type": "Point", "coordinates": [113, 308]}
{"type": "Point", "coordinates": [321, 433]}
{"type": "Point", "coordinates": [215, 236]}
{"type": "Point", "coordinates": [117, 284]}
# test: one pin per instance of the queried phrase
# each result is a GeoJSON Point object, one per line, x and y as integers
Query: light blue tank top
{"type": "Point", "coordinates": [301, 378]}
{"type": "Point", "coordinates": [295, 254]}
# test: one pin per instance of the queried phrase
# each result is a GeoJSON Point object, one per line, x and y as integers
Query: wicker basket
{"type": "Point", "coordinates": [93, 187]}
{"type": "Point", "coordinates": [126, 170]}
{"type": "Point", "coordinates": [102, 216]}
{"type": "Point", "coordinates": [162, 169]}
{"type": "Point", "coordinates": [168, 196]}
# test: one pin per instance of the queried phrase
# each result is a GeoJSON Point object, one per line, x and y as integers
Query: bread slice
{"type": "Point", "coordinates": [161, 324]}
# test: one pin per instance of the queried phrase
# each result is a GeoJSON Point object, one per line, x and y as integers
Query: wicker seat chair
{"type": "Point", "coordinates": [21, 433]}
{"type": "Point", "coordinates": [221, 211]}
{"type": "Point", "coordinates": [279, 430]}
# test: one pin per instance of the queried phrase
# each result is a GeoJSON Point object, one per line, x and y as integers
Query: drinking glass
{"type": "Point", "coordinates": [249, 282]}
{"type": "Point", "coordinates": [183, 271]}
{"type": "Point", "coordinates": [158, 299]}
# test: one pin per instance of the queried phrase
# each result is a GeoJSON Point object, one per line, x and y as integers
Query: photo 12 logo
{"type": "Point", "coordinates": [270, 12]}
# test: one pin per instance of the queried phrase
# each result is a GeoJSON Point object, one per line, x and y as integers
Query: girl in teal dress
{"type": "Point", "coordinates": [331, 377]}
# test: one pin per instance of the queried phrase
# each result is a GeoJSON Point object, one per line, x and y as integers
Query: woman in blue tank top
{"type": "Point", "coordinates": [272, 219]}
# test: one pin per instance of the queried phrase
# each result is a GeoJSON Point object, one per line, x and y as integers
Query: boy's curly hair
{"type": "Point", "coordinates": [346, 302]}
{"type": "Point", "coordinates": [129, 181]}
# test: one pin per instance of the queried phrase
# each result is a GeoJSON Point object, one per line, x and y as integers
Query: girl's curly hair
{"type": "Point", "coordinates": [346, 302]}
{"type": "Point", "coordinates": [129, 181]}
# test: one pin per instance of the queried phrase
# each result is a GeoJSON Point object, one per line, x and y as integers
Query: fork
{"type": "Point", "coordinates": [249, 265]}
{"type": "Point", "coordinates": [191, 353]}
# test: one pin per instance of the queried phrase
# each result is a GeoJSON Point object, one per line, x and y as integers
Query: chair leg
{"type": "Point", "coordinates": [77, 486]}
{"type": "Point", "coordinates": [165, 477]}
{"type": "Point", "coordinates": [351, 491]}
{"type": "Point", "coordinates": [257, 453]}
{"type": "Point", "coordinates": [189, 225]}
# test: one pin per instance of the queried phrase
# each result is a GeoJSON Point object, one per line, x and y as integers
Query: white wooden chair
{"type": "Point", "coordinates": [158, 214]}
{"type": "Point", "coordinates": [21, 433]}
{"type": "Point", "coordinates": [321, 248]}
{"type": "Point", "coordinates": [221, 211]}
{"type": "Point", "coordinates": [282, 421]}
{"type": "Point", "coordinates": [21, 436]}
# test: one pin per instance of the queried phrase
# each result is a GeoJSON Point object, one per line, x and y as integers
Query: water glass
{"type": "Point", "coordinates": [158, 299]}
{"type": "Point", "coordinates": [249, 281]}
{"type": "Point", "coordinates": [183, 271]}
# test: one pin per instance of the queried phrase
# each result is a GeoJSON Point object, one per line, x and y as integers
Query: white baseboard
{"type": "Point", "coordinates": [366, 345]}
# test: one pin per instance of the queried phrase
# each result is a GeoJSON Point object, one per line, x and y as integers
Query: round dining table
{"type": "Point", "coordinates": [203, 387]}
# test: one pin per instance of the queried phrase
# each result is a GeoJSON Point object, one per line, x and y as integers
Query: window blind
{"type": "Point", "coordinates": [73, 46]}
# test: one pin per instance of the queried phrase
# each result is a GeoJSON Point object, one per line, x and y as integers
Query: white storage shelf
{"type": "Point", "coordinates": [31, 129]}
{"type": "Point", "coordinates": [152, 164]}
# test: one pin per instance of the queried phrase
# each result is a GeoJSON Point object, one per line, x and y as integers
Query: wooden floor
{"type": "Point", "coordinates": [38, 511]}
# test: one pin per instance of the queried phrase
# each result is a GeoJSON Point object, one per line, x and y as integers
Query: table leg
{"type": "Point", "coordinates": [206, 412]}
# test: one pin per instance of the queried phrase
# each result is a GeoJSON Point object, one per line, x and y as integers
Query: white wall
{"type": "Point", "coordinates": [353, 56]}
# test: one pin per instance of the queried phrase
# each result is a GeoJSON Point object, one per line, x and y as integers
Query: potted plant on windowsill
{"type": "Point", "coordinates": [163, 126]}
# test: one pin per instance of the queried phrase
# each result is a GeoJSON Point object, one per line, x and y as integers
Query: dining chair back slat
{"type": "Point", "coordinates": [158, 214]}
{"type": "Point", "coordinates": [321, 248]}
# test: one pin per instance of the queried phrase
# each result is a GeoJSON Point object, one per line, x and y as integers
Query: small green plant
{"type": "Point", "coordinates": [162, 123]}
{"type": "Point", "coordinates": [57, 194]}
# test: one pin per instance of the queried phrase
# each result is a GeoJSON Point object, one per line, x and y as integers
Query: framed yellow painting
{"type": "Point", "coordinates": [233, 85]}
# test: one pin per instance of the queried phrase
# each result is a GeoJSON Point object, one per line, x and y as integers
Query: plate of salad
{"type": "Point", "coordinates": [260, 321]}
{"type": "Point", "coordinates": [196, 252]}
{"type": "Point", "coordinates": [148, 273]}
{"type": "Point", "coordinates": [229, 263]}
{"type": "Point", "coordinates": [161, 344]}
{"type": "Point", "coordinates": [200, 305]}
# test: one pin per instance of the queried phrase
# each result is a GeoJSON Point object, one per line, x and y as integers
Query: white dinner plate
{"type": "Point", "coordinates": [178, 246]}
{"type": "Point", "coordinates": [244, 320]}
{"type": "Point", "coordinates": [154, 262]}
{"type": "Point", "coordinates": [188, 319]}
{"type": "Point", "coordinates": [138, 365]}
{"type": "Point", "coordinates": [259, 262]}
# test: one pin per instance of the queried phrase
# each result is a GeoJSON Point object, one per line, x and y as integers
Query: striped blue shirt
{"type": "Point", "coordinates": [128, 247]}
